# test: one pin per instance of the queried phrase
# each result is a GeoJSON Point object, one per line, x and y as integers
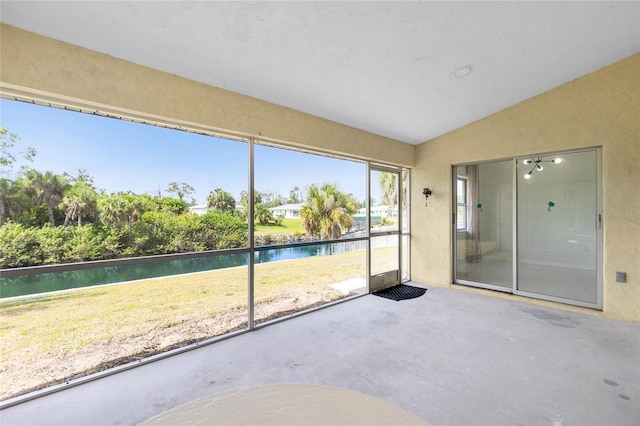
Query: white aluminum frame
{"type": "Point", "coordinates": [77, 106]}
{"type": "Point", "coordinates": [514, 288]}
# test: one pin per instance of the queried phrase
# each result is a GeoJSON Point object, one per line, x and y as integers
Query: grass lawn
{"type": "Point", "coordinates": [289, 226]}
{"type": "Point", "coordinates": [51, 339]}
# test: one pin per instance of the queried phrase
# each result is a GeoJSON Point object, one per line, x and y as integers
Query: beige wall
{"type": "Point", "coordinates": [50, 69]}
{"type": "Point", "coordinates": [601, 109]}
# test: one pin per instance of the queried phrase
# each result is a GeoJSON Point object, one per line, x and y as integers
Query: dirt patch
{"type": "Point", "coordinates": [32, 369]}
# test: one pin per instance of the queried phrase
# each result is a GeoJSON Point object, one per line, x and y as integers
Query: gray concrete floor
{"type": "Point", "coordinates": [450, 357]}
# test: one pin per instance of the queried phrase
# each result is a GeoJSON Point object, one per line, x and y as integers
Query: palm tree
{"type": "Point", "coordinates": [327, 211]}
{"type": "Point", "coordinates": [244, 198]}
{"type": "Point", "coordinates": [80, 176]}
{"type": "Point", "coordinates": [262, 214]}
{"type": "Point", "coordinates": [7, 190]}
{"type": "Point", "coordinates": [389, 186]}
{"type": "Point", "coordinates": [137, 204]}
{"type": "Point", "coordinates": [46, 189]}
{"type": "Point", "coordinates": [73, 205]}
{"type": "Point", "coordinates": [79, 200]}
{"type": "Point", "coordinates": [115, 210]}
{"type": "Point", "coordinates": [221, 200]}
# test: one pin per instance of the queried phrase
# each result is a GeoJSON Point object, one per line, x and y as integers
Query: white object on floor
{"type": "Point", "coordinates": [287, 404]}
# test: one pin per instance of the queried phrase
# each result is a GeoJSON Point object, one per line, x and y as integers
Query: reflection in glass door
{"type": "Point", "coordinates": [484, 224]}
{"type": "Point", "coordinates": [557, 226]}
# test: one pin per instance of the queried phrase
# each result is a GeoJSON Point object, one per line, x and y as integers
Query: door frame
{"type": "Point", "coordinates": [388, 278]}
{"type": "Point", "coordinates": [598, 224]}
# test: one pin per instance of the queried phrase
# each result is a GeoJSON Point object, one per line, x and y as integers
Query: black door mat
{"type": "Point", "coordinates": [401, 292]}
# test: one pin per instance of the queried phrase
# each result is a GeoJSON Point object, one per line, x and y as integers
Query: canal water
{"type": "Point", "coordinates": [55, 281]}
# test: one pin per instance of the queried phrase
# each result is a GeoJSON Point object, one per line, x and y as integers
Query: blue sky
{"type": "Point", "coordinates": [125, 156]}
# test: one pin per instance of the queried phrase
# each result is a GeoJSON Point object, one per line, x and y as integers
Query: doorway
{"type": "Point", "coordinates": [388, 224]}
{"type": "Point", "coordinates": [531, 226]}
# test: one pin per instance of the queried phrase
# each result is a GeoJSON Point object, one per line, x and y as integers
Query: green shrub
{"type": "Point", "coordinates": [218, 231]}
{"type": "Point", "coordinates": [52, 242]}
{"type": "Point", "coordinates": [88, 242]}
{"type": "Point", "coordinates": [158, 232]}
{"type": "Point", "coordinates": [19, 246]}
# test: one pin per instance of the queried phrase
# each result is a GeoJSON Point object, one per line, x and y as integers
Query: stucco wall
{"type": "Point", "coordinates": [601, 109]}
{"type": "Point", "coordinates": [49, 69]}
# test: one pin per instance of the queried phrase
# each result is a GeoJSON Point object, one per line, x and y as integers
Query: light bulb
{"type": "Point", "coordinates": [527, 176]}
{"type": "Point", "coordinates": [527, 162]}
{"type": "Point", "coordinates": [558, 160]}
{"type": "Point", "coordinates": [539, 167]}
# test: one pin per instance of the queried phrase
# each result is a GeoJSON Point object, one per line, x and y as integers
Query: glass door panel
{"type": "Point", "coordinates": [385, 267]}
{"type": "Point", "coordinates": [406, 259]}
{"type": "Point", "coordinates": [384, 228]}
{"type": "Point", "coordinates": [384, 201]}
{"type": "Point", "coordinates": [557, 241]}
{"type": "Point", "coordinates": [484, 223]}
{"type": "Point", "coordinates": [405, 220]}
{"type": "Point", "coordinates": [384, 254]}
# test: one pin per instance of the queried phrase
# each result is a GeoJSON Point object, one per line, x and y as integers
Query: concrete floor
{"type": "Point", "coordinates": [450, 357]}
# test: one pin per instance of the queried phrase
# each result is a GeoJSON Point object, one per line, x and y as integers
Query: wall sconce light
{"type": "Point", "coordinates": [426, 192]}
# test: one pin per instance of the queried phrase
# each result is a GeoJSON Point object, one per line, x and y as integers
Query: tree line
{"type": "Point", "coordinates": [49, 218]}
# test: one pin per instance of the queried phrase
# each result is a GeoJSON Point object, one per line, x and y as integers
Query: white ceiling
{"type": "Point", "coordinates": [385, 67]}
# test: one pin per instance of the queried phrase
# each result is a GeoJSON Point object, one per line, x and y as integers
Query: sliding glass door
{"type": "Point", "coordinates": [558, 226]}
{"type": "Point", "coordinates": [531, 226]}
{"type": "Point", "coordinates": [484, 224]}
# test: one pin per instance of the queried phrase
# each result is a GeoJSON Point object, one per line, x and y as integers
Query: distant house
{"type": "Point", "coordinates": [360, 221]}
{"type": "Point", "coordinates": [382, 210]}
{"type": "Point", "coordinates": [287, 210]}
{"type": "Point", "coordinates": [199, 209]}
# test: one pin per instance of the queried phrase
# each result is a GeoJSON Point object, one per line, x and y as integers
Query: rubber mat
{"type": "Point", "coordinates": [401, 292]}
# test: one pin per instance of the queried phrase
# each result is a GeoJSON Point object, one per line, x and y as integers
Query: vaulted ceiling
{"type": "Point", "coordinates": [392, 68]}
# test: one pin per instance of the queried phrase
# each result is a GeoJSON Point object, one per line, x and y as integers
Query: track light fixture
{"type": "Point", "coordinates": [537, 166]}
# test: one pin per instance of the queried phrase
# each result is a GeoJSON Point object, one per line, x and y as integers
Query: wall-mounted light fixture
{"type": "Point", "coordinates": [537, 166]}
{"type": "Point", "coordinates": [426, 192]}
